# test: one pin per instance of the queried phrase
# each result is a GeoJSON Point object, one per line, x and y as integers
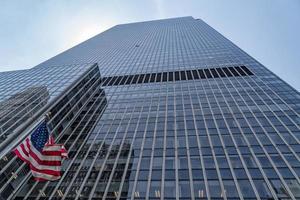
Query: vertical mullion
{"type": "Point", "coordinates": [210, 143]}
{"type": "Point", "coordinates": [116, 160]}
{"type": "Point", "coordinates": [152, 148]}
{"type": "Point", "coordinates": [187, 147]}
{"type": "Point", "coordinates": [77, 137]}
{"type": "Point", "coordinates": [199, 147]}
{"type": "Point", "coordinates": [63, 133]}
{"type": "Point", "coordinates": [141, 153]}
{"type": "Point", "coordinates": [77, 171]}
{"type": "Point", "coordinates": [266, 153]}
{"type": "Point", "coordinates": [94, 161]}
{"type": "Point", "coordinates": [129, 156]}
{"type": "Point", "coordinates": [278, 133]}
{"type": "Point", "coordinates": [252, 154]}
{"type": "Point", "coordinates": [77, 153]}
{"type": "Point", "coordinates": [28, 175]}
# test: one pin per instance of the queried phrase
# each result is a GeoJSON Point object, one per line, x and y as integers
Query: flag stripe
{"type": "Point", "coordinates": [49, 155]}
{"type": "Point", "coordinates": [22, 148]}
{"type": "Point", "coordinates": [45, 162]}
{"type": "Point", "coordinates": [43, 156]}
{"type": "Point", "coordinates": [52, 148]}
{"type": "Point", "coordinates": [44, 177]}
{"type": "Point", "coordinates": [26, 145]}
{"type": "Point", "coordinates": [52, 172]}
{"type": "Point", "coordinates": [21, 155]}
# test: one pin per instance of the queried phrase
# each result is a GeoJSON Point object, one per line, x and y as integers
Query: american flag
{"type": "Point", "coordinates": [41, 154]}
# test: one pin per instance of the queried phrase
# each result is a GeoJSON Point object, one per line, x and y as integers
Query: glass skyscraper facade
{"type": "Point", "coordinates": [166, 109]}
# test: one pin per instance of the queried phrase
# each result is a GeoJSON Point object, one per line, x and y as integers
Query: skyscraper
{"type": "Point", "coordinates": [166, 109]}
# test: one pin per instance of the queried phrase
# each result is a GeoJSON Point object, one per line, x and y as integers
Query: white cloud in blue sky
{"type": "Point", "coordinates": [32, 31]}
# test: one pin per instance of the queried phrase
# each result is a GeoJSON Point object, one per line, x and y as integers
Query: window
{"type": "Point", "coordinates": [246, 189]}
{"type": "Point", "coordinates": [279, 188]}
{"type": "Point", "coordinates": [184, 189]}
{"type": "Point", "coordinates": [214, 189]}
{"type": "Point", "coordinates": [199, 189]}
{"type": "Point", "coordinates": [230, 189]}
{"type": "Point", "coordinates": [179, 76]}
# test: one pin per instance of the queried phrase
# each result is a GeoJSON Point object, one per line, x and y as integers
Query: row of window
{"type": "Point", "coordinates": [177, 76]}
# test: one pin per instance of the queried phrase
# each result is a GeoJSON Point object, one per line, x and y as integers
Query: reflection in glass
{"type": "Point", "coordinates": [19, 107]}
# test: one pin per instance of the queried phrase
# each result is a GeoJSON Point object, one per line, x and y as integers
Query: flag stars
{"type": "Point", "coordinates": [40, 137]}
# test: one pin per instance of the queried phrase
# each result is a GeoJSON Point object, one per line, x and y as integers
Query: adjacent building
{"type": "Point", "coordinates": [166, 109]}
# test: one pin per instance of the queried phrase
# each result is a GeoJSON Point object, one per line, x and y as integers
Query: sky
{"type": "Point", "coordinates": [32, 31]}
